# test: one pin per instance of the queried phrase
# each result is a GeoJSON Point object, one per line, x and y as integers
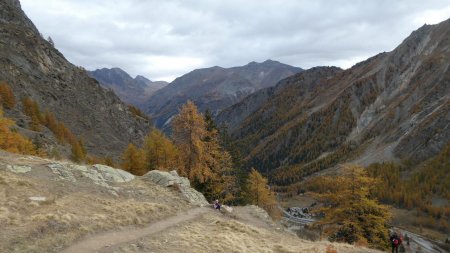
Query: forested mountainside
{"type": "Point", "coordinates": [39, 73]}
{"type": "Point", "coordinates": [134, 91]}
{"type": "Point", "coordinates": [394, 106]}
{"type": "Point", "coordinates": [214, 88]}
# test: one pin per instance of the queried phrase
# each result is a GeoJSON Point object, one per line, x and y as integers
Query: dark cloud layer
{"type": "Point", "coordinates": [165, 39]}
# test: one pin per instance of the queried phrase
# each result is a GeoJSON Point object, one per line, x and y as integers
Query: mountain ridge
{"type": "Point", "coordinates": [390, 107]}
{"type": "Point", "coordinates": [215, 88]}
{"type": "Point", "coordinates": [33, 68]}
{"type": "Point", "coordinates": [131, 90]}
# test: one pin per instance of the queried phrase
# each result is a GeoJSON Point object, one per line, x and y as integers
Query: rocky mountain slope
{"type": "Point", "coordinates": [215, 88]}
{"type": "Point", "coordinates": [394, 106]}
{"type": "Point", "coordinates": [34, 68]}
{"type": "Point", "coordinates": [134, 91]}
{"type": "Point", "coordinates": [57, 206]}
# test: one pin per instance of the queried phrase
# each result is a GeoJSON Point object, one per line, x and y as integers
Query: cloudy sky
{"type": "Point", "coordinates": [163, 39]}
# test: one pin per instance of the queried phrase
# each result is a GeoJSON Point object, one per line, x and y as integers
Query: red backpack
{"type": "Point", "coordinates": [395, 241]}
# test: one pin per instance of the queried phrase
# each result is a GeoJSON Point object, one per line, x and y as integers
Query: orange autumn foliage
{"type": "Point", "coordinates": [6, 96]}
{"type": "Point", "coordinates": [12, 141]}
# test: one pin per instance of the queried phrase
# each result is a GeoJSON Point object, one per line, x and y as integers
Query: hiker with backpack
{"type": "Point", "coordinates": [396, 240]}
{"type": "Point", "coordinates": [217, 204]}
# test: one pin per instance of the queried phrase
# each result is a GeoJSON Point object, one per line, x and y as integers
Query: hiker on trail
{"type": "Point", "coordinates": [395, 242]}
{"type": "Point", "coordinates": [217, 204]}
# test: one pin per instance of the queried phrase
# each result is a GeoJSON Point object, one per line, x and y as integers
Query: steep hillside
{"type": "Point", "coordinates": [54, 206]}
{"type": "Point", "coordinates": [134, 91]}
{"type": "Point", "coordinates": [215, 88]}
{"type": "Point", "coordinates": [393, 106]}
{"type": "Point", "coordinates": [280, 97]}
{"type": "Point", "coordinates": [34, 68]}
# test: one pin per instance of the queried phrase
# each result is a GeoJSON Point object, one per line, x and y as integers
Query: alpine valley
{"type": "Point", "coordinates": [264, 157]}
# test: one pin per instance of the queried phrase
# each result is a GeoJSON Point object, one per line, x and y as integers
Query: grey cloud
{"type": "Point", "coordinates": [165, 39]}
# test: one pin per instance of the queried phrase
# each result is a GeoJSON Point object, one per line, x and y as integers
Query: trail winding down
{"type": "Point", "coordinates": [107, 242]}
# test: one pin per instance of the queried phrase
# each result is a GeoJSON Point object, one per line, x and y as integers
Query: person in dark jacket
{"type": "Point", "coordinates": [396, 240]}
{"type": "Point", "coordinates": [217, 204]}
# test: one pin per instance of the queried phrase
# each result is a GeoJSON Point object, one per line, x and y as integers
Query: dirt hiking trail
{"type": "Point", "coordinates": [107, 242]}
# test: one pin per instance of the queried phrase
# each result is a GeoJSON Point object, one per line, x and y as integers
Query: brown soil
{"type": "Point", "coordinates": [107, 242]}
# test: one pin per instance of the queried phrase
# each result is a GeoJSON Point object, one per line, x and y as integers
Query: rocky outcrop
{"type": "Point", "coordinates": [97, 174]}
{"type": "Point", "coordinates": [18, 168]}
{"type": "Point", "coordinates": [172, 179]}
{"type": "Point", "coordinates": [34, 68]}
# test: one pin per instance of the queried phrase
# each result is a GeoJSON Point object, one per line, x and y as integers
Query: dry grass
{"type": "Point", "coordinates": [72, 210]}
{"type": "Point", "coordinates": [216, 233]}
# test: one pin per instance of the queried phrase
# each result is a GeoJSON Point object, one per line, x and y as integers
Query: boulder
{"type": "Point", "coordinates": [18, 168]}
{"type": "Point", "coordinates": [172, 178]}
{"type": "Point", "coordinates": [113, 175]}
{"type": "Point", "coordinates": [99, 174]}
{"type": "Point", "coordinates": [166, 179]}
{"type": "Point", "coordinates": [62, 172]}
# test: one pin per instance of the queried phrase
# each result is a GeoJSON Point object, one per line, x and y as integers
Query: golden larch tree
{"type": "Point", "coordinates": [188, 133]}
{"type": "Point", "coordinates": [223, 183]}
{"type": "Point", "coordinates": [160, 152]}
{"type": "Point", "coordinates": [351, 214]}
{"type": "Point", "coordinates": [133, 160]}
{"type": "Point", "coordinates": [78, 155]}
{"type": "Point", "coordinates": [7, 96]}
{"type": "Point", "coordinates": [31, 109]}
{"type": "Point", "coordinates": [258, 193]}
{"type": "Point", "coordinates": [13, 141]}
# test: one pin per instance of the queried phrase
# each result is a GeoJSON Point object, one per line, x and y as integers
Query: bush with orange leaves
{"type": "Point", "coordinates": [12, 141]}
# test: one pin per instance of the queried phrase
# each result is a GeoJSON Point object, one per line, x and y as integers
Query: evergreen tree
{"type": "Point", "coordinates": [209, 121]}
{"type": "Point", "coordinates": [230, 146]}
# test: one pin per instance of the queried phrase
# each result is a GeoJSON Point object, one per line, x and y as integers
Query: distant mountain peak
{"type": "Point", "coordinates": [142, 78]}
{"type": "Point", "coordinates": [131, 90]}
{"type": "Point", "coordinates": [215, 88]}
{"type": "Point", "coordinates": [269, 61]}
